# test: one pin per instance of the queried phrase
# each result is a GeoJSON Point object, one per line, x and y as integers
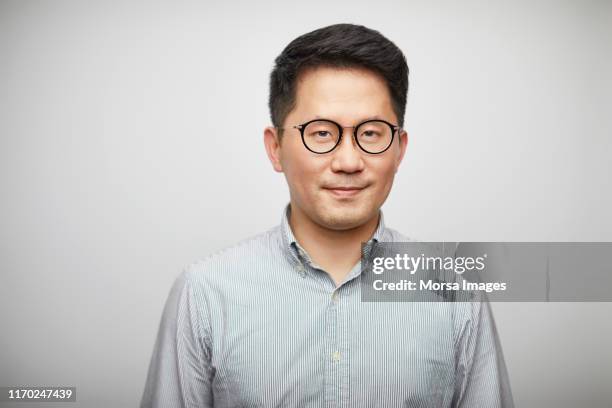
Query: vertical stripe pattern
{"type": "Point", "coordinates": [260, 325]}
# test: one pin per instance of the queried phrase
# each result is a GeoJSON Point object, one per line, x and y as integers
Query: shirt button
{"type": "Point", "coordinates": [335, 297]}
{"type": "Point", "coordinates": [336, 356]}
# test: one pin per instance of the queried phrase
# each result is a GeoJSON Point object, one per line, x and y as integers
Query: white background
{"type": "Point", "coordinates": [131, 145]}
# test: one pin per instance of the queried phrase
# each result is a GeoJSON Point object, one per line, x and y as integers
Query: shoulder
{"type": "Point", "coordinates": [431, 248]}
{"type": "Point", "coordinates": [396, 236]}
{"type": "Point", "coordinates": [238, 260]}
{"type": "Point", "coordinates": [392, 235]}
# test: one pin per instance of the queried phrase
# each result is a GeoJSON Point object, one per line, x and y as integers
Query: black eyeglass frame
{"type": "Point", "coordinates": [394, 129]}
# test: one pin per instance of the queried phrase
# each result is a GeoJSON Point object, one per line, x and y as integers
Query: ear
{"type": "Point", "coordinates": [403, 141]}
{"type": "Point", "coordinates": [272, 144]}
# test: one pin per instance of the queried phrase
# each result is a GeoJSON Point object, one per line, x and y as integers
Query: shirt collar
{"type": "Point", "coordinates": [296, 252]}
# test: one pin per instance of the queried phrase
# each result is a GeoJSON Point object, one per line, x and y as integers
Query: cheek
{"type": "Point", "coordinates": [303, 174]}
{"type": "Point", "coordinates": [384, 174]}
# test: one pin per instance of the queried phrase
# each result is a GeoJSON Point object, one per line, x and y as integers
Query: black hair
{"type": "Point", "coordinates": [339, 46]}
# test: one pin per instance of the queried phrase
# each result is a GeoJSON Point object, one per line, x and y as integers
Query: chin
{"type": "Point", "coordinates": [345, 217]}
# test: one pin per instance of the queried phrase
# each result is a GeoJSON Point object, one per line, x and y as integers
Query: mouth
{"type": "Point", "coordinates": [344, 191]}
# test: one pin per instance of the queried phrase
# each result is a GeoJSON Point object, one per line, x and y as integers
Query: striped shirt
{"type": "Point", "coordinates": [260, 325]}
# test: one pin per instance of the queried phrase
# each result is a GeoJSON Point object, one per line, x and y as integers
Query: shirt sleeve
{"type": "Point", "coordinates": [180, 372]}
{"type": "Point", "coordinates": [481, 375]}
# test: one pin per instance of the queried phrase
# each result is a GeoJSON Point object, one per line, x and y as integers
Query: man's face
{"type": "Point", "coordinates": [344, 188]}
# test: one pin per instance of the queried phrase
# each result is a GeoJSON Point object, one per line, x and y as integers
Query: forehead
{"type": "Point", "coordinates": [342, 93]}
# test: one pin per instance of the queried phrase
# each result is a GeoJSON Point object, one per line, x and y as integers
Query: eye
{"type": "Point", "coordinates": [370, 133]}
{"type": "Point", "coordinates": [322, 133]}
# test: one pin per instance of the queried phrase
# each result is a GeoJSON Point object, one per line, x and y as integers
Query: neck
{"type": "Point", "coordinates": [335, 251]}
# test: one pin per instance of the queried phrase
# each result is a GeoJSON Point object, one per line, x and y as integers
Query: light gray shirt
{"type": "Point", "coordinates": [260, 325]}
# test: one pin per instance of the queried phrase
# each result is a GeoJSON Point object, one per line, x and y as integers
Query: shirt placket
{"type": "Point", "coordinates": [336, 372]}
{"type": "Point", "coordinates": [333, 352]}
{"type": "Point", "coordinates": [337, 360]}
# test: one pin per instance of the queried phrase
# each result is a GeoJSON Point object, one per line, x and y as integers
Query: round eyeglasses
{"type": "Point", "coordinates": [323, 135]}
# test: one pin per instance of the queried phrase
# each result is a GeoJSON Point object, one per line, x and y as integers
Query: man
{"type": "Point", "coordinates": [277, 320]}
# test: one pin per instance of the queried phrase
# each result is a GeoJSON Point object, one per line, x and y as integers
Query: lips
{"type": "Point", "coordinates": [344, 191]}
{"type": "Point", "coordinates": [347, 188]}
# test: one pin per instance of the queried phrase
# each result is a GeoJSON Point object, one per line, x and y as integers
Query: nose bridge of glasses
{"type": "Point", "coordinates": [349, 127]}
{"type": "Point", "coordinates": [350, 140]}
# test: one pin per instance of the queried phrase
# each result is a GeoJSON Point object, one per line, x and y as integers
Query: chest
{"type": "Point", "coordinates": [333, 350]}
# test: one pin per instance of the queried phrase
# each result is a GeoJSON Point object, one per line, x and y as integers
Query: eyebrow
{"type": "Point", "coordinates": [375, 117]}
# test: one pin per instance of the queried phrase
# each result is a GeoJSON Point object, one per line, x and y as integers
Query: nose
{"type": "Point", "coordinates": [347, 157]}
